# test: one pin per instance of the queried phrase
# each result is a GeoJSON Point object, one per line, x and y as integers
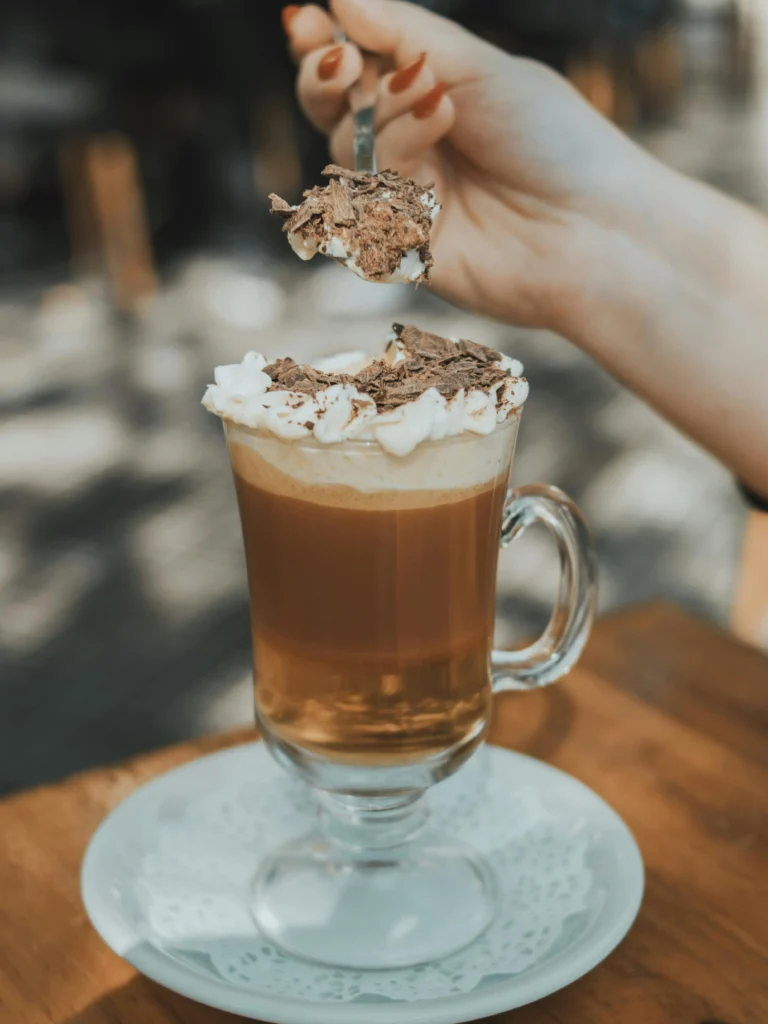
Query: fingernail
{"type": "Point", "coordinates": [288, 14]}
{"type": "Point", "coordinates": [329, 65]}
{"type": "Point", "coordinates": [405, 77]}
{"type": "Point", "coordinates": [428, 104]}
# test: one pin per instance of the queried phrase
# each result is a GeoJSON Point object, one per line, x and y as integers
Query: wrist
{"type": "Point", "coordinates": [676, 309]}
{"type": "Point", "coordinates": [623, 260]}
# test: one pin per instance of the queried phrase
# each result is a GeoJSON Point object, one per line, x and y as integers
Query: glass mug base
{"type": "Point", "coordinates": [373, 889]}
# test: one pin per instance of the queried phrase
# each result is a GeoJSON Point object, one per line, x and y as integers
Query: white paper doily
{"type": "Point", "coordinates": [166, 883]}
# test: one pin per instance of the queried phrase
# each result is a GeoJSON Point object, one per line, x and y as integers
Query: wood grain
{"type": "Point", "coordinates": [665, 717]}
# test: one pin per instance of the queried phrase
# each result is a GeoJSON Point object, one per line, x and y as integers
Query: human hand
{"type": "Point", "coordinates": [532, 181]}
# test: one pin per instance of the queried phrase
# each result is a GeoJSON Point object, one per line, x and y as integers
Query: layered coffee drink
{"type": "Point", "coordinates": [372, 609]}
{"type": "Point", "coordinates": [371, 540]}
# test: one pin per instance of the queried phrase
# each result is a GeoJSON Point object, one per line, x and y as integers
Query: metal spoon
{"type": "Point", "coordinates": [362, 98]}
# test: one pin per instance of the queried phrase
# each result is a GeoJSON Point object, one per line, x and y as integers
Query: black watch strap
{"type": "Point", "coordinates": [754, 500]}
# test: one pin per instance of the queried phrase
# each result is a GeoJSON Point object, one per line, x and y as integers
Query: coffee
{"type": "Point", "coordinates": [372, 610]}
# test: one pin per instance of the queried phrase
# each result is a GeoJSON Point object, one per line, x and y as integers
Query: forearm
{"type": "Point", "coordinates": [678, 310]}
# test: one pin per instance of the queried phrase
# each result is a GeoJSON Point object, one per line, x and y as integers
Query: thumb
{"type": "Point", "coordinates": [402, 31]}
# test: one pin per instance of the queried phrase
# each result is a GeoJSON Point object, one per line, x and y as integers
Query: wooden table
{"type": "Point", "coordinates": [665, 717]}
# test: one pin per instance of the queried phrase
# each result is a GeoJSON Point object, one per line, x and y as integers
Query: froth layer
{"type": "Point", "coordinates": [365, 476]}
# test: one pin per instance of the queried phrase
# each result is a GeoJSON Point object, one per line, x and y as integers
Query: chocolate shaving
{"type": "Point", "coordinates": [429, 362]}
{"type": "Point", "coordinates": [369, 374]}
{"type": "Point", "coordinates": [479, 352]}
{"type": "Point", "coordinates": [335, 171]}
{"type": "Point", "coordinates": [288, 375]}
{"type": "Point", "coordinates": [280, 206]}
{"type": "Point", "coordinates": [342, 210]}
{"type": "Point", "coordinates": [309, 208]}
{"type": "Point", "coordinates": [359, 205]}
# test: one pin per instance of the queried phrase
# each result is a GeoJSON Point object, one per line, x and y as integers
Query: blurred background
{"type": "Point", "coordinates": [138, 142]}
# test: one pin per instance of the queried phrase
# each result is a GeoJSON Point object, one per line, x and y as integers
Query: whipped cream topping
{"type": "Point", "coordinates": [343, 411]}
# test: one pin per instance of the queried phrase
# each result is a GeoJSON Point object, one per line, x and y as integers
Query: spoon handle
{"type": "Point", "coordinates": [365, 155]}
{"type": "Point", "coordinates": [362, 98]}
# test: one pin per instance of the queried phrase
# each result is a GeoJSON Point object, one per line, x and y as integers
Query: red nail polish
{"type": "Point", "coordinates": [328, 66]}
{"type": "Point", "coordinates": [405, 77]}
{"type": "Point", "coordinates": [288, 14]}
{"type": "Point", "coordinates": [428, 104]}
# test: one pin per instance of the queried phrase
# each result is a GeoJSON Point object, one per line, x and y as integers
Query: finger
{"type": "Point", "coordinates": [402, 145]}
{"type": "Point", "coordinates": [324, 78]}
{"type": "Point", "coordinates": [341, 143]}
{"type": "Point", "coordinates": [307, 27]}
{"type": "Point", "coordinates": [416, 80]}
{"type": "Point", "coordinates": [400, 90]}
{"type": "Point", "coordinates": [402, 30]}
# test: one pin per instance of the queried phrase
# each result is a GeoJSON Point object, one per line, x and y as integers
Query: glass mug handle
{"type": "Point", "coordinates": [558, 648]}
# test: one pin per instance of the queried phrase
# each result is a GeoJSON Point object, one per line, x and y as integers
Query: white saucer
{"type": "Point", "coordinates": [166, 882]}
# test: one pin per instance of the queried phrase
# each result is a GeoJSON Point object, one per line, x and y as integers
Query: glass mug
{"type": "Point", "coordinates": [372, 582]}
